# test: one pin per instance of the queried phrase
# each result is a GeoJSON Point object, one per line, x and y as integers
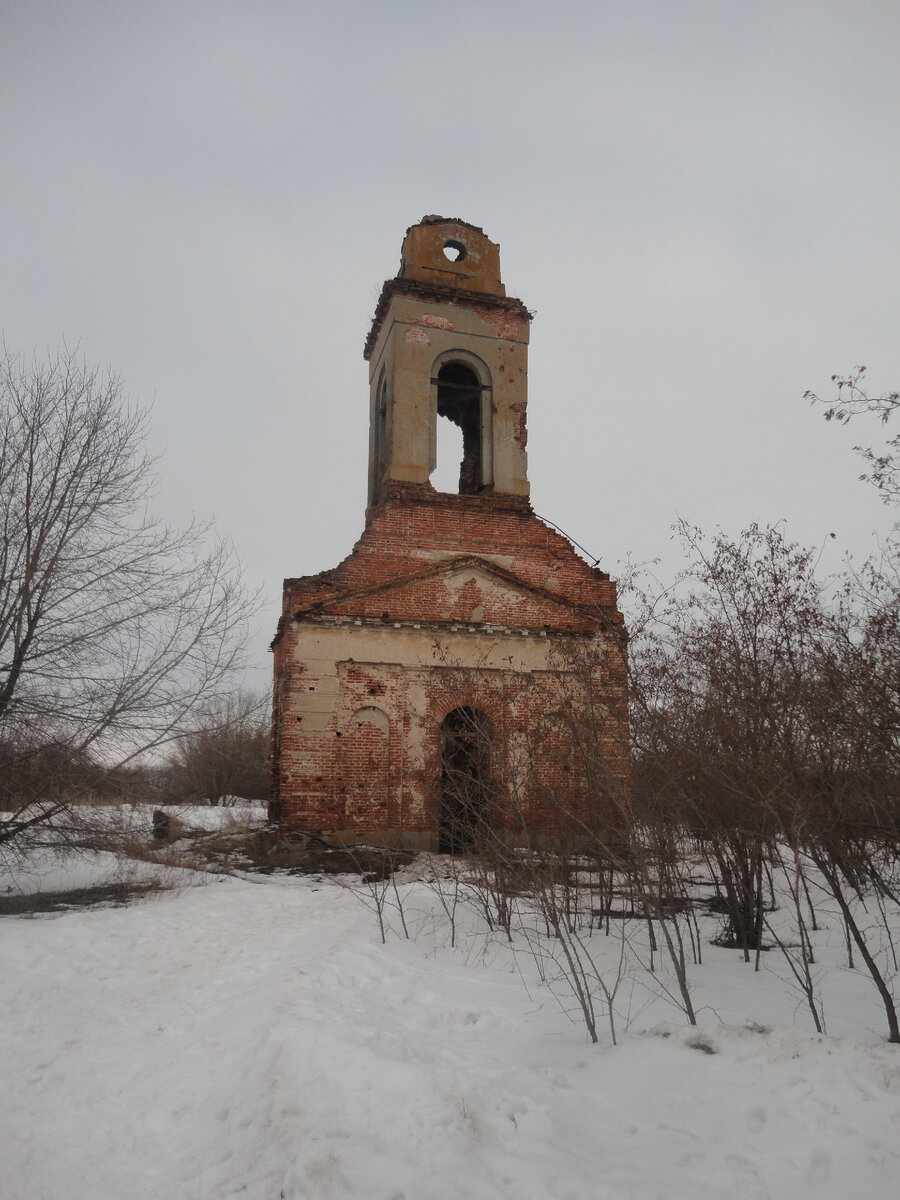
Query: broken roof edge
{"type": "Point", "coordinates": [446, 566]}
{"type": "Point", "coordinates": [434, 219]}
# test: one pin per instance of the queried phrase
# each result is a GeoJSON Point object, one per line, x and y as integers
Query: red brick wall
{"type": "Point", "coordinates": [377, 774]}
{"type": "Point", "coordinates": [416, 519]}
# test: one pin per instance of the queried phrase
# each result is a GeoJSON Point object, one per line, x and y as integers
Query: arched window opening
{"type": "Point", "coordinates": [365, 767]}
{"type": "Point", "coordinates": [553, 753]}
{"type": "Point", "coordinates": [465, 780]}
{"type": "Point", "coordinates": [380, 452]}
{"type": "Point", "coordinates": [459, 400]}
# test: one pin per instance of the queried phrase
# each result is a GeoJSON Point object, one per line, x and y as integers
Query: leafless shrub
{"type": "Point", "coordinates": [799, 954]}
{"type": "Point", "coordinates": [765, 717]}
{"type": "Point", "coordinates": [224, 757]}
{"type": "Point", "coordinates": [377, 888]}
{"type": "Point", "coordinates": [444, 876]}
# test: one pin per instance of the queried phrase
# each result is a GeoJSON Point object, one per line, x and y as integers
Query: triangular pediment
{"type": "Point", "coordinates": [465, 589]}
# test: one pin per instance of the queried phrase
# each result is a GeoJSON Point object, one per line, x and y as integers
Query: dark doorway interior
{"type": "Point", "coordinates": [465, 779]}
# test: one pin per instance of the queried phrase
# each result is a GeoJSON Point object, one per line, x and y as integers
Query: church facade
{"type": "Point", "coordinates": [423, 688]}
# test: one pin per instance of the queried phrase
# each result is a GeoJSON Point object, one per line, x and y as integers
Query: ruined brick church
{"type": "Point", "coordinates": [420, 685]}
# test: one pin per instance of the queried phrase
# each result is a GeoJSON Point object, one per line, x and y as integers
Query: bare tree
{"type": "Point", "coordinates": [114, 627]}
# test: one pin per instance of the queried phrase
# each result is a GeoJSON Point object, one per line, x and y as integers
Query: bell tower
{"type": "Point", "coordinates": [448, 344]}
{"type": "Point", "coordinates": [418, 684]}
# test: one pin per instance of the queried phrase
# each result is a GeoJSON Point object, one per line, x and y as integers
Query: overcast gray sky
{"type": "Point", "coordinates": [699, 200]}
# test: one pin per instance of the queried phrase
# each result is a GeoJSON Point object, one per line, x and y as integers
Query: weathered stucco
{"type": "Point", "coordinates": [414, 340]}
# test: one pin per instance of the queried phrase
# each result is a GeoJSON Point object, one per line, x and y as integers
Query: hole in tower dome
{"type": "Point", "coordinates": [454, 251]}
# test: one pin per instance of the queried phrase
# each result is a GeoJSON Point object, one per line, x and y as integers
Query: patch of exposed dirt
{"type": "Point", "coordinates": [263, 852]}
{"type": "Point", "coordinates": [109, 894]}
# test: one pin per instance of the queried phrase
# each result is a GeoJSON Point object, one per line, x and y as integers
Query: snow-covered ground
{"type": "Point", "coordinates": [253, 1037]}
{"type": "Point", "coordinates": [55, 868]}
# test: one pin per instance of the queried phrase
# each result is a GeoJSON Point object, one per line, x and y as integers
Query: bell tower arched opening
{"type": "Point", "coordinates": [462, 421]}
{"type": "Point", "coordinates": [459, 400]}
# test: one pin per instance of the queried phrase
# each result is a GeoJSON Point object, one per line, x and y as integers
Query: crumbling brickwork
{"type": "Point", "coordinates": [451, 607]}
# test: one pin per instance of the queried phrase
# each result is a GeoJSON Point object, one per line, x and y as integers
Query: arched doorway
{"type": "Point", "coordinates": [465, 779]}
